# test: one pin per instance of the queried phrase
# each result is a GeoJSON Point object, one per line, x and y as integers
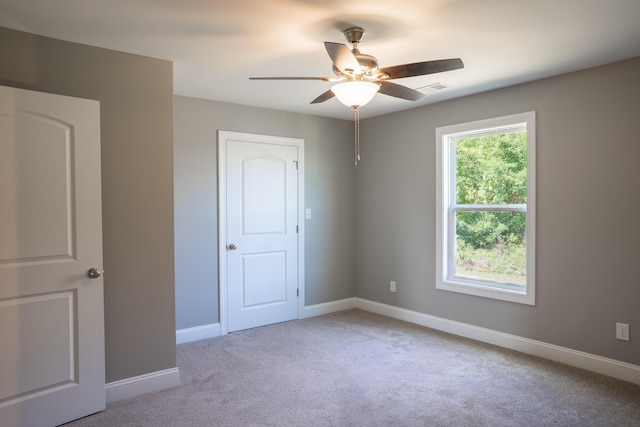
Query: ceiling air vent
{"type": "Point", "coordinates": [430, 88]}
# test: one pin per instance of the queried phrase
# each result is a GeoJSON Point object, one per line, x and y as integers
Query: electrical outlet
{"type": "Point", "coordinates": [392, 286]}
{"type": "Point", "coordinates": [622, 331]}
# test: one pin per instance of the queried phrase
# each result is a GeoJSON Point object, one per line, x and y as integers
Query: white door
{"type": "Point", "coordinates": [51, 312]}
{"type": "Point", "coordinates": [260, 244]}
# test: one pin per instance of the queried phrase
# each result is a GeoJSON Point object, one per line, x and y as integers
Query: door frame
{"type": "Point", "coordinates": [223, 137]}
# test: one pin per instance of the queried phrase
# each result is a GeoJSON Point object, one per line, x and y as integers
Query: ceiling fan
{"type": "Point", "coordinates": [359, 78]}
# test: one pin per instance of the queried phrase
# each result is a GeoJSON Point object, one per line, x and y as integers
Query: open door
{"type": "Point", "coordinates": [51, 285]}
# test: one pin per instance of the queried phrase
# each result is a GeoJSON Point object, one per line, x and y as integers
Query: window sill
{"type": "Point", "coordinates": [487, 291]}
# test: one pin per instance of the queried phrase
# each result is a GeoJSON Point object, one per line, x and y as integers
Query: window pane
{"type": "Point", "coordinates": [492, 169]}
{"type": "Point", "coordinates": [491, 246]}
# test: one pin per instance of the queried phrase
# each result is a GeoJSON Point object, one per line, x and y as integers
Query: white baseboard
{"type": "Point", "coordinates": [213, 330]}
{"type": "Point", "coordinates": [197, 333]}
{"type": "Point", "coordinates": [143, 384]}
{"type": "Point", "coordinates": [602, 365]}
{"type": "Point", "coordinates": [328, 307]}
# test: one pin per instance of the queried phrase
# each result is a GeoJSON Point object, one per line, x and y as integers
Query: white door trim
{"type": "Point", "coordinates": [223, 136]}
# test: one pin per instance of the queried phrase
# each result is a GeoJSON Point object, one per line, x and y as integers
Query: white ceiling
{"type": "Point", "coordinates": [216, 45]}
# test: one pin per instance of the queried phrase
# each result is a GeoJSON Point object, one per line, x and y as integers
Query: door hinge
{"type": "Point", "coordinates": [296, 162]}
{"type": "Point", "coordinates": [297, 292]}
{"type": "Point", "coordinates": [297, 229]}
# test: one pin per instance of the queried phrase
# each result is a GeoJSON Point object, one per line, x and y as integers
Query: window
{"type": "Point", "coordinates": [485, 221]}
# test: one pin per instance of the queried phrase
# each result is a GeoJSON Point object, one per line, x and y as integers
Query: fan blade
{"type": "Point", "coordinates": [343, 58]}
{"type": "Point", "coordinates": [325, 96]}
{"type": "Point", "coordinates": [399, 91]}
{"type": "Point", "coordinates": [421, 68]}
{"type": "Point", "coordinates": [324, 79]}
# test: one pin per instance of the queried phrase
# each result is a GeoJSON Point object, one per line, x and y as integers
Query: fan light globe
{"type": "Point", "coordinates": [355, 94]}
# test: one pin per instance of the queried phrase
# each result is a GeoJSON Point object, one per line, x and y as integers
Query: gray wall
{"type": "Point", "coordinates": [135, 95]}
{"type": "Point", "coordinates": [588, 150]}
{"type": "Point", "coordinates": [380, 217]}
{"type": "Point", "coordinates": [329, 192]}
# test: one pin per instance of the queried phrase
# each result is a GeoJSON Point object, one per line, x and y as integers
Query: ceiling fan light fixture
{"type": "Point", "coordinates": [355, 94]}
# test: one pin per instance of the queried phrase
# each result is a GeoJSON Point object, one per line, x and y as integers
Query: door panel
{"type": "Point", "coordinates": [36, 172]}
{"type": "Point", "coordinates": [264, 279]}
{"type": "Point", "coordinates": [263, 205]}
{"type": "Point", "coordinates": [261, 216]}
{"type": "Point", "coordinates": [51, 313]}
{"type": "Point", "coordinates": [38, 352]}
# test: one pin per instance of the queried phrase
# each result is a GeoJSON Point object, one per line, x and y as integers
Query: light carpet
{"type": "Point", "coordinates": [355, 368]}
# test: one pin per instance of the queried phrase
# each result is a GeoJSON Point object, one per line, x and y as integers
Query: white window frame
{"type": "Point", "coordinates": [445, 201]}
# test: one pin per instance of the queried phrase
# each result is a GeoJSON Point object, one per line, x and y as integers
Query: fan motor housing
{"type": "Point", "coordinates": [368, 63]}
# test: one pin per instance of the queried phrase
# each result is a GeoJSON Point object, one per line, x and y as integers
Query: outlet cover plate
{"type": "Point", "coordinates": [622, 331]}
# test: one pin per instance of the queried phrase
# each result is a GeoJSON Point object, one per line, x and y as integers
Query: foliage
{"type": "Point", "coordinates": [502, 263]}
{"type": "Point", "coordinates": [491, 169]}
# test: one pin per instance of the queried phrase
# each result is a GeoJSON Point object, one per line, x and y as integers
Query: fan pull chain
{"type": "Point", "coordinates": [357, 139]}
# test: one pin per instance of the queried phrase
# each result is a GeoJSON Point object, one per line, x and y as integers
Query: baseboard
{"type": "Point", "coordinates": [213, 330]}
{"type": "Point", "coordinates": [602, 365]}
{"type": "Point", "coordinates": [143, 384]}
{"type": "Point", "coordinates": [197, 333]}
{"type": "Point", "coordinates": [328, 307]}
